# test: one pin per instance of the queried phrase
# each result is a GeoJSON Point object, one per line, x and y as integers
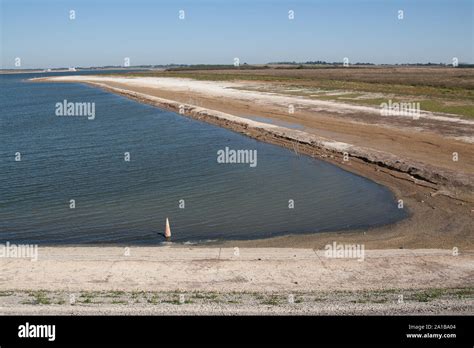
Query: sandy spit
{"type": "Point", "coordinates": [235, 90]}
{"type": "Point", "coordinates": [430, 174]}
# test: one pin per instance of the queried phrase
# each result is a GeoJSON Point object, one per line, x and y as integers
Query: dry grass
{"type": "Point", "coordinates": [439, 89]}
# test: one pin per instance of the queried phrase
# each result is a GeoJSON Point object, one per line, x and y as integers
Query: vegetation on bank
{"type": "Point", "coordinates": [438, 89]}
{"type": "Point", "coordinates": [43, 297]}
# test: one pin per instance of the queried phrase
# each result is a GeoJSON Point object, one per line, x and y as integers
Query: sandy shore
{"type": "Point", "coordinates": [221, 280]}
{"type": "Point", "coordinates": [219, 269]}
{"type": "Point", "coordinates": [437, 191]}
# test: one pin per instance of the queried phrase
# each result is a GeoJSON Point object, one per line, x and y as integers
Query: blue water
{"type": "Point", "coordinates": [173, 158]}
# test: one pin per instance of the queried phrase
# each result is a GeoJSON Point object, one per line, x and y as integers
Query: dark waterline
{"type": "Point", "coordinates": [173, 158]}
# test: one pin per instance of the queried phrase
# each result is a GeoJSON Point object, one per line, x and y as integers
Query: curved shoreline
{"type": "Point", "coordinates": [309, 144]}
{"type": "Point", "coordinates": [435, 188]}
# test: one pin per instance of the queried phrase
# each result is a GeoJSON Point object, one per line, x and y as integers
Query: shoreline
{"type": "Point", "coordinates": [420, 265]}
{"type": "Point", "coordinates": [422, 187]}
{"type": "Point", "coordinates": [312, 145]}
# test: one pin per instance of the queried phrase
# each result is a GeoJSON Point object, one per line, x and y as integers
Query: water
{"type": "Point", "coordinates": [172, 158]}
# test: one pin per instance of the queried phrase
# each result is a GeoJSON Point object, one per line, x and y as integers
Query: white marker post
{"type": "Point", "coordinates": [167, 230]}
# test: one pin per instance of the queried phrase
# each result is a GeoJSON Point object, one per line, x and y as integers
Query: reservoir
{"type": "Point", "coordinates": [114, 178]}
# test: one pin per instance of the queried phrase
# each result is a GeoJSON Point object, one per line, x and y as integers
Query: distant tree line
{"type": "Point", "coordinates": [322, 62]}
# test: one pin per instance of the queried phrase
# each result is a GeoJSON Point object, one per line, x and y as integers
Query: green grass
{"type": "Point", "coordinates": [207, 296]}
{"type": "Point", "coordinates": [40, 297]}
{"type": "Point", "coordinates": [464, 293]}
{"type": "Point", "coordinates": [439, 106]}
{"type": "Point", "coordinates": [272, 300]}
{"type": "Point", "coordinates": [85, 298]}
{"type": "Point", "coordinates": [428, 295]}
{"type": "Point", "coordinates": [400, 89]}
{"type": "Point", "coordinates": [137, 294]}
{"type": "Point", "coordinates": [88, 297]}
{"type": "Point", "coordinates": [432, 105]}
{"type": "Point", "coordinates": [116, 293]}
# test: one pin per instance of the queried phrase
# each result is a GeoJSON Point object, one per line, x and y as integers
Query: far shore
{"type": "Point", "coordinates": [40, 71]}
{"type": "Point", "coordinates": [438, 196]}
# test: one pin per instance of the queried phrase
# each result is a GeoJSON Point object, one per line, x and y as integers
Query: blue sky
{"type": "Point", "coordinates": [256, 31]}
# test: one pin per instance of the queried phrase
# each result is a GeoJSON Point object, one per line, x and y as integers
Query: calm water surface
{"type": "Point", "coordinates": [172, 158]}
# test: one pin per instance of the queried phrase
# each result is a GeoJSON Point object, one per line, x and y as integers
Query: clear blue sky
{"type": "Point", "coordinates": [215, 31]}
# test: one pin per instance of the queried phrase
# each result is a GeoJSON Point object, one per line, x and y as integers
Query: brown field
{"type": "Point", "coordinates": [437, 89]}
{"type": "Point", "coordinates": [426, 76]}
{"type": "Point", "coordinates": [457, 81]}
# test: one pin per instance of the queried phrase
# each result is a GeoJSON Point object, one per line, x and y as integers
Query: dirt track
{"type": "Point", "coordinates": [220, 269]}
{"type": "Point", "coordinates": [150, 280]}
